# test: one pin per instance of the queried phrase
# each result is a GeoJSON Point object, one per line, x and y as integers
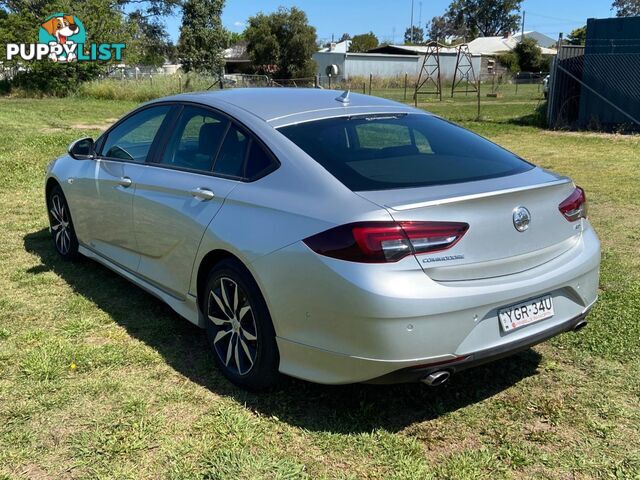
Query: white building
{"type": "Point", "coordinates": [387, 61]}
{"type": "Point", "coordinates": [491, 46]}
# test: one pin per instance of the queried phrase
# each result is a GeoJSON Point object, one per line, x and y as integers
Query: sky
{"type": "Point", "coordinates": [388, 19]}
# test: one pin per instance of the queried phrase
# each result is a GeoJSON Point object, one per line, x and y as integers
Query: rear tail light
{"type": "Point", "coordinates": [379, 242]}
{"type": "Point", "coordinates": [574, 207]}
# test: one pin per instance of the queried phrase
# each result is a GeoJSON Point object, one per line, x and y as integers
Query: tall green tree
{"type": "Point", "coordinates": [482, 18]}
{"type": "Point", "coordinates": [414, 36]}
{"type": "Point", "coordinates": [202, 37]}
{"type": "Point", "coordinates": [149, 44]}
{"type": "Point", "coordinates": [626, 8]}
{"type": "Point", "coordinates": [363, 42]}
{"type": "Point", "coordinates": [282, 43]}
{"type": "Point", "coordinates": [529, 55]}
{"type": "Point", "coordinates": [104, 21]}
{"type": "Point", "coordinates": [437, 29]}
{"type": "Point", "coordinates": [578, 36]}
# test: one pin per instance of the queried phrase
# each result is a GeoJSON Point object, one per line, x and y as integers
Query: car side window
{"type": "Point", "coordinates": [257, 161]}
{"type": "Point", "coordinates": [230, 160]}
{"type": "Point", "coordinates": [195, 139]}
{"type": "Point", "coordinates": [131, 140]}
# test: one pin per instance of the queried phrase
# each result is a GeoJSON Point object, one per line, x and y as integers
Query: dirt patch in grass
{"type": "Point", "coordinates": [91, 126]}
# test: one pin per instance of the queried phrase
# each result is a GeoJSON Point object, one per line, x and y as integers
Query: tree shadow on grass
{"type": "Point", "coordinates": [338, 409]}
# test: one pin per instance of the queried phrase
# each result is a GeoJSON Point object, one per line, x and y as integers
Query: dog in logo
{"type": "Point", "coordinates": [61, 28]}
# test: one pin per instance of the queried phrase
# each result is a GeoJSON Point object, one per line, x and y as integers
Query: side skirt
{"type": "Point", "coordinates": [185, 307]}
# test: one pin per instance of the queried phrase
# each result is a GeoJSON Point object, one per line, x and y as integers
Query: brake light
{"type": "Point", "coordinates": [379, 242]}
{"type": "Point", "coordinates": [574, 207]}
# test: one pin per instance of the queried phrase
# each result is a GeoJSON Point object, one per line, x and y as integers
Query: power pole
{"type": "Point", "coordinates": [523, 15]}
{"type": "Point", "coordinates": [420, 15]}
{"type": "Point", "coordinates": [411, 39]}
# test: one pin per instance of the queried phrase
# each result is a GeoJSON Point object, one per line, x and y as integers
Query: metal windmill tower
{"type": "Point", "coordinates": [464, 71]}
{"type": "Point", "coordinates": [429, 82]}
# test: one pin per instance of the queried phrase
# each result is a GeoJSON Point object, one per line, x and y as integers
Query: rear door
{"type": "Point", "coordinates": [181, 189]}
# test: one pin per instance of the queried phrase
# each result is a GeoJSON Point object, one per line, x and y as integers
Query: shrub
{"type": "Point", "coordinates": [56, 79]}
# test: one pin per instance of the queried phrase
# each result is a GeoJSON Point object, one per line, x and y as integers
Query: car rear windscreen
{"type": "Point", "coordinates": [383, 152]}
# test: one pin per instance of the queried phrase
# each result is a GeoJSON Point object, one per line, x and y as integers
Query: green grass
{"type": "Point", "coordinates": [100, 380]}
{"type": "Point", "coordinates": [144, 89]}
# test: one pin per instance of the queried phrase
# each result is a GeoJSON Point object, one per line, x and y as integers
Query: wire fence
{"type": "Point", "coordinates": [491, 97]}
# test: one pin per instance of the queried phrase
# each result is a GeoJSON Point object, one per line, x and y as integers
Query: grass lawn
{"type": "Point", "coordinates": [100, 380]}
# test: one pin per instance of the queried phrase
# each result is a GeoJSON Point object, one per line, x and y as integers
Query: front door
{"type": "Point", "coordinates": [125, 147]}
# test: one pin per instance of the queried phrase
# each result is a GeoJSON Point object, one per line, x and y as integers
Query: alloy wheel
{"type": "Point", "coordinates": [60, 224]}
{"type": "Point", "coordinates": [235, 341]}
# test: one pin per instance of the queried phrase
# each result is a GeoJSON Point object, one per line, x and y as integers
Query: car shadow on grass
{"type": "Point", "coordinates": [337, 409]}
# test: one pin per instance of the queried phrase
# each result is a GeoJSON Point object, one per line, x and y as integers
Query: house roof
{"type": "Point", "coordinates": [496, 45]}
{"type": "Point", "coordinates": [408, 49]}
{"type": "Point", "coordinates": [237, 53]}
{"type": "Point", "coordinates": [542, 39]}
{"type": "Point", "coordinates": [339, 47]}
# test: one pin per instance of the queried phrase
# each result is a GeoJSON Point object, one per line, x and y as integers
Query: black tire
{"type": "Point", "coordinates": [63, 234]}
{"type": "Point", "coordinates": [242, 338]}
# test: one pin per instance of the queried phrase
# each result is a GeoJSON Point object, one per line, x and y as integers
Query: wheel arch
{"type": "Point", "coordinates": [211, 259]}
{"type": "Point", "coordinates": [51, 182]}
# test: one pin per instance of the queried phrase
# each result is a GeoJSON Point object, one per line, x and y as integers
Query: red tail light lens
{"type": "Point", "coordinates": [574, 207]}
{"type": "Point", "coordinates": [379, 242]}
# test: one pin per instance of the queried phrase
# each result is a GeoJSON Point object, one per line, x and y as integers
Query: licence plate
{"type": "Point", "coordinates": [526, 313]}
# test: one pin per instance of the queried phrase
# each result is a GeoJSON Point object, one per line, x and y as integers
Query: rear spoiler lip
{"type": "Point", "coordinates": [473, 196]}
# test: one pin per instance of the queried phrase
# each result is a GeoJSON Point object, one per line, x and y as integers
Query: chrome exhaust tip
{"type": "Point", "coordinates": [436, 378]}
{"type": "Point", "coordinates": [580, 325]}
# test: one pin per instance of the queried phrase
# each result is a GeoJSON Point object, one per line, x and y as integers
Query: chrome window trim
{"type": "Point", "coordinates": [250, 134]}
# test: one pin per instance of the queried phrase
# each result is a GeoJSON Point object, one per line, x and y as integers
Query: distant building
{"type": "Point", "coordinates": [337, 47]}
{"type": "Point", "coordinates": [541, 39]}
{"type": "Point", "coordinates": [237, 60]}
{"type": "Point", "coordinates": [491, 46]}
{"type": "Point", "coordinates": [386, 61]}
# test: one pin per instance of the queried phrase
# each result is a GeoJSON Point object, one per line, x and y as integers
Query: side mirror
{"type": "Point", "coordinates": [82, 149]}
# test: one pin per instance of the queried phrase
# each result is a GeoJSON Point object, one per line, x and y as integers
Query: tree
{"type": "Point", "coordinates": [202, 38]}
{"type": "Point", "coordinates": [363, 42]}
{"type": "Point", "coordinates": [344, 37]}
{"type": "Point", "coordinates": [282, 43]}
{"type": "Point", "coordinates": [104, 22]}
{"type": "Point", "coordinates": [416, 39]}
{"type": "Point", "coordinates": [41, 8]}
{"type": "Point", "coordinates": [149, 44]}
{"type": "Point", "coordinates": [578, 36]}
{"type": "Point", "coordinates": [233, 38]}
{"type": "Point", "coordinates": [485, 18]}
{"type": "Point", "coordinates": [529, 56]}
{"type": "Point", "coordinates": [626, 8]}
{"type": "Point", "coordinates": [437, 29]}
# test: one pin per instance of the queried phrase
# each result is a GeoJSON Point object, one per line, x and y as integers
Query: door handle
{"type": "Point", "coordinates": [125, 182]}
{"type": "Point", "coordinates": [202, 193]}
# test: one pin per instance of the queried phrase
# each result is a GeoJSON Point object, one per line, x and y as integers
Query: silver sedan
{"type": "Point", "coordinates": [332, 237]}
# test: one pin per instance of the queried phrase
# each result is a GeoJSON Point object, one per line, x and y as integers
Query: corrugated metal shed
{"type": "Point", "coordinates": [611, 74]}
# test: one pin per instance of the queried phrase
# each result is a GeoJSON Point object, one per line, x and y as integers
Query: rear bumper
{"type": "Point", "coordinates": [482, 356]}
{"type": "Point", "coordinates": [338, 322]}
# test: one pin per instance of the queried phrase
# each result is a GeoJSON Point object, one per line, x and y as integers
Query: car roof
{"type": "Point", "coordinates": [280, 106]}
